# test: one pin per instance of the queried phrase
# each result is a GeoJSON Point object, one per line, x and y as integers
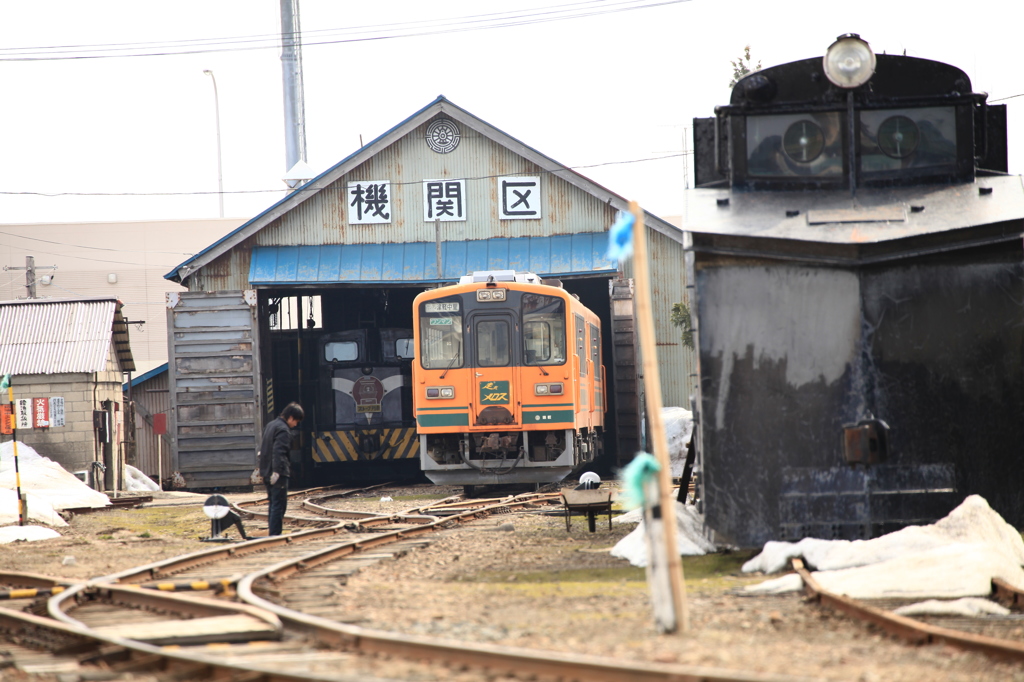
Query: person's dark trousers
{"type": "Point", "coordinates": [278, 495]}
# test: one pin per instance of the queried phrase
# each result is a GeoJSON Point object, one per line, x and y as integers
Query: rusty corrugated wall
{"type": "Point", "coordinates": [152, 397]}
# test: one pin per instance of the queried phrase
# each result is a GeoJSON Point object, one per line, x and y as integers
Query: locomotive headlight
{"type": "Point", "coordinates": [849, 62]}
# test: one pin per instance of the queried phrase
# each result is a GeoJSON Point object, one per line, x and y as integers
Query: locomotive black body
{"type": "Point", "coordinates": [365, 397]}
{"type": "Point", "coordinates": [856, 251]}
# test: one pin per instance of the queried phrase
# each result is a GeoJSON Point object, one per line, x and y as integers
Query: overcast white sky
{"type": "Point", "coordinates": [599, 89]}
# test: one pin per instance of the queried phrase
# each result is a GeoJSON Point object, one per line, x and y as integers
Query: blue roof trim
{"type": "Point", "coordinates": [576, 254]}
{"type": "Point", "coordinates": [145, 377]}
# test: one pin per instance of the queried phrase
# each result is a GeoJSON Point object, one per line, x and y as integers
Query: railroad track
{"type": "Point", "coordinates": [287, 639]}
{"type": "Point", "coordinates": [998, 636]}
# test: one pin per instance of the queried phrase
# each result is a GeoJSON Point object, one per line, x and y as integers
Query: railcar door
{"type": "Point", "coordinates": [495, 376]}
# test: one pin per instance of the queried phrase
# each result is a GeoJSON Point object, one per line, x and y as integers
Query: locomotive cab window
{"type": "Point", "coordinates": [441, 334]}
{"type": "Point", "coordinates": [492, 343]}
{"type": "Point", "coordinates": [908, 139]}
{"type": "Point", "coordinates": [405, 349]}
{"type": "Point", "coordinates": [543, 330]}
{"type": "Point", "coordinates": [341, 351]}
{"type": "Point", "coordinates": [806, 145]}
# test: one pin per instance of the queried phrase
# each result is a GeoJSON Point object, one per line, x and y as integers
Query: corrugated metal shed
{"type": "Point", "coordinates": [417, 262]}
{"type": "Point", "coordinates": [62, 336]}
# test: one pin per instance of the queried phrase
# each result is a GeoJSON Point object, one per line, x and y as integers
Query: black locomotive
{"type": "Point", "coordinates": [855, 247]}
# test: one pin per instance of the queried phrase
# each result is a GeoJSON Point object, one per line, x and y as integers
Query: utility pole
{"type": "Point", "coordinates": [30, 273]}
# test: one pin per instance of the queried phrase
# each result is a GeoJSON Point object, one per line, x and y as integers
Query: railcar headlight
{"type": "Point", "coordinates": [498, 295]}
{"type": "Point", "coordinates": [483, 295]}
{"type": "Point", "coordinates": [547, 389]}
{"type": "Point", "coordinates": [849, 62]}
{"type": "Point", "coordinates": [440, 392]}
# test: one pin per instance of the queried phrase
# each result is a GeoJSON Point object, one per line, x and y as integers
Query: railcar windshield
{"type": "Point", "coordinates": [492, 343]}
{"type": "Point", "coordinates": [543, 330]}
{"type": "Point", "coordinates": [441, 334]}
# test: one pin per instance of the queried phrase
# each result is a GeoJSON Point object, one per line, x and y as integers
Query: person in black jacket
{"type": "Point", "coordinates": [275, 465]}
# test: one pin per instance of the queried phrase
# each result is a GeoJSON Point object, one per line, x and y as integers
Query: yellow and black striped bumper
{"type": "Point", "coordinates": [343, 446]}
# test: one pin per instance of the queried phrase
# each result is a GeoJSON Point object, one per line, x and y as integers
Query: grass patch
{"type": "Point", "coordinates": [719, 570]}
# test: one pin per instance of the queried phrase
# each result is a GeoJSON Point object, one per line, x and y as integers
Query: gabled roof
{"type": "Point", "coordinates": [438, 106]}
{"type": "Point", "coordinates": [57, 336]}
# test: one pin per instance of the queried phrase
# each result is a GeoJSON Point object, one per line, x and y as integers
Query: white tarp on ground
{"type": "Point", "coordinates": [138, 482]}
{"type": "Point", "coordinates": [957, 556]}
{"type": "Point", "coordinates": [689, 536]}
{"type": "Point", "coordinates": [26, 533]}
{"type": "Point", "coordinates": [678, 427]}
{"type": "Point", "coordinates": [48, 486]}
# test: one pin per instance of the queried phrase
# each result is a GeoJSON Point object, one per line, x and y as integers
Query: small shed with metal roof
{"type": "Point", "coordinates": [441, 194]}
{"type": "Point", "coordinates": [67, 358]}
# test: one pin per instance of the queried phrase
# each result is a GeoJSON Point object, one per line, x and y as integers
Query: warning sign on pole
{"type": "Point", "coordinates": [6, 428]}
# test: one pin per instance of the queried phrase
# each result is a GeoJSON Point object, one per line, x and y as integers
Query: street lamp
{"type": "Point", "coordinates": [220, 171]}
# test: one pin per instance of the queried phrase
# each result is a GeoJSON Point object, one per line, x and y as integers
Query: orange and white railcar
{"type": "Point", "coordinates": [508, 385]}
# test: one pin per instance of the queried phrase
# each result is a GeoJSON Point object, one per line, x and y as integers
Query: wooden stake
{"type": "Point", "coordinates": [652, 382]}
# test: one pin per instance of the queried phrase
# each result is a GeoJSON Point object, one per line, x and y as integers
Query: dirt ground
{"type": "Point", "coordinates": [522, 580]}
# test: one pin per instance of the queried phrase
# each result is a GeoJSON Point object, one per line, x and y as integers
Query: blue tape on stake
{"type": "Point", "coordinates": [620, 237]}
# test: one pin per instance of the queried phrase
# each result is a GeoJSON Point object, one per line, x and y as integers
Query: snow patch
{"type": "Point", "coordinates": [689, 538]}
{"type": "Point", "coordinates": [26, 533]}
{"type": "Point", "coordinates": [46, 485]}
{"type": "Point", "coordinates": [138, 482]}
{"type": "Point", "coordinates": [957, 556]}
{"type": "Point", "coordinates": [968, 607]}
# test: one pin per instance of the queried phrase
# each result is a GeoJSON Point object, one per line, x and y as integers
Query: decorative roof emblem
{"type": "Point", "coordinates": [443, 136]}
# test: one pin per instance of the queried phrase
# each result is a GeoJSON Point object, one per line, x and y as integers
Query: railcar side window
{"type": "Point", "coordinates": [492, 343]}
{"type": "Point", "coordinates": [795, 145]}
{"type": "Point", "coordinates": [581, 344]}
{"type": "Point", "coordinates": [441, 334]}
{"type": "Point", "coordinates": [900, 139]}
{"type": "Point", "coordinates": [341, 351]}
{"type": "Point", "coordinates": [543, 330]}
{"type": "Point", "coordinates": [595, 347]}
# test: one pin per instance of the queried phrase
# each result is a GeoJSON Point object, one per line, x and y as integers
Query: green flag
{"type": "Point", "coordinates": [5, 382]}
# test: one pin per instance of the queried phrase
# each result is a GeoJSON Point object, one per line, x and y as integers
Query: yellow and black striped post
{"type": "Point", "coordinates": [22, 502]}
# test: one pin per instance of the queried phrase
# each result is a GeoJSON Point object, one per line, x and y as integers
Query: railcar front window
{"type": "Point", "coordinates": [901, 139]}
{"type": "Point", "coordinates": [795, 145]}
{"type": "Point", "coordinates": [543, 330]}
{"type": "Point", "coordinates": [492, 343]}
{"type": "Point", "coordinates": [441, 334]}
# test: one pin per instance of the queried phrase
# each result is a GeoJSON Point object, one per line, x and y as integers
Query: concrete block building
{"type": "Point", "coordinates": [67, 359]}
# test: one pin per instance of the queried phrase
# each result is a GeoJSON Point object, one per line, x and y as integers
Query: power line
{"type": "Point", "coordinates": [96, 248]}
{"type": "Point", "coordinates": [314, 189]}
{"type": "Point", "coordinates": [198, 46]}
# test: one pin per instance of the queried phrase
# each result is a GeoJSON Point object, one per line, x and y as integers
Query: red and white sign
{"type": "Point", "coordinates": [41, 413]}
{"type": "Point", "coordinates": [56, 412]}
